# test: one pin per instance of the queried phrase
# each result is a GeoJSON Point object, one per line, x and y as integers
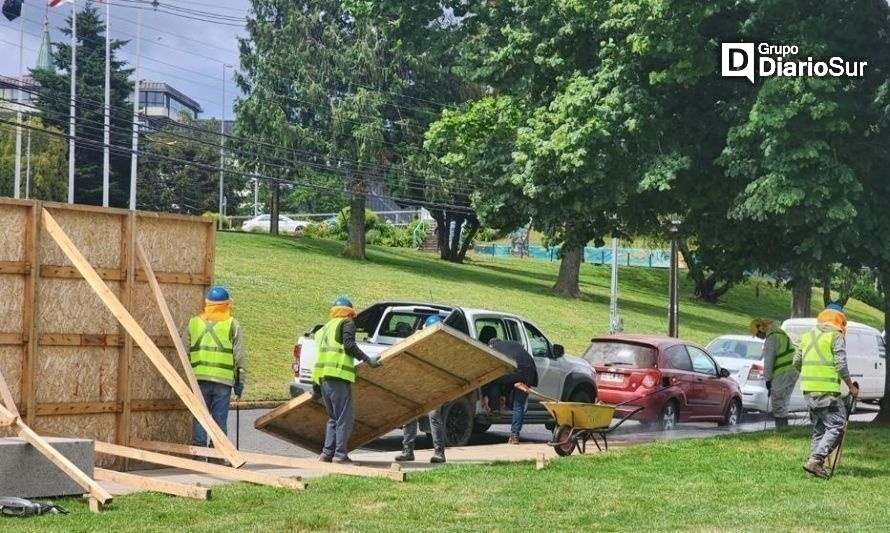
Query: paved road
{"type": "Point", "coordinates": [254, 440]}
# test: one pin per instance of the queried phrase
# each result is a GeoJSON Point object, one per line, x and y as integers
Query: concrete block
{"type": "Point", "coordinates": [26, 473]}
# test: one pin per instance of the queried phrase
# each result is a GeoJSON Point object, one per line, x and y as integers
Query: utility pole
{"type": "Point", "coordinates": [106, 143]}
{"type": "Point", "coordinates": [73, 105]}
{"type": "Point", "coordinates": [134, 155]}
{"type": "Point", "coordinates": [673, 282]}
{"type": "Point", "coordinates": [615, 323]}
{"type": "Point", "coordinates": [222, 139]}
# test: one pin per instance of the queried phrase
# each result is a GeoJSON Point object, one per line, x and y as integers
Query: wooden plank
{"type": "Point", "coordinates": [170, 323]}
{"type": "Point", "coordinates": [180, 278]}
{"type": "Point", "coordinates": [198, 466]}
{"type": "Point", "coordinates": [209, 255]}
{"type": "Point", "coordinates": [60, 339]}
{"type": "Point", "coordinates": [6, 397]}
{"type": "Point", "coordinates": [66, 272]}
{"type": "Point", "coordinates": [107, 274]}
{"type": "Point", "coordinates": [157, 405]}
{"type": "Point", "coordinates": [11, 339]}
{"type": "Point", "coordinates": [29, 320]}
{"type": "Point", "coordinates": [139, 336]}
{"type": "Point", "coordinates": [276, 460]}
{"type": "Point", "coordinates": [95, 490]}
{"type": "Point", "coordinates": [155, 485]}
{"type": "Point", "coordinates": [14, 267]}
{"type": "Point", "coordinates": [7, 421]}
{"type": "Point", "coordinates": [77, 408]}
{"type": "Point", "coordinates": [125, 356]}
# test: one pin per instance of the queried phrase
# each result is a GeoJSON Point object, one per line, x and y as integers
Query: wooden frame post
{"type": "Point", "coordinates": [160, 362]}
{"type": "Point", "coordinates": [28, 389]}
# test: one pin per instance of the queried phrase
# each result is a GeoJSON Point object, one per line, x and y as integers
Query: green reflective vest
{"type": "Point", "coordinates": [212, 352]}
{"type": "Point", "coordinates": [784, 353]}
{"type": "Point", "coordinates": [817, 372]}
{"type": "Point", "coordinates": [332, 360]}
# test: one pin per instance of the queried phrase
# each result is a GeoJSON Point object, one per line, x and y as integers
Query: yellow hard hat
{"type": "Point", "coordinates": [757, 325]}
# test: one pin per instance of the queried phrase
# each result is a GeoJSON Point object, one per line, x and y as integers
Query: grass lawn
{"type": "Point", "coordinates": [744, 482]}
{"type": "Point", "coordinates": [281, 287]}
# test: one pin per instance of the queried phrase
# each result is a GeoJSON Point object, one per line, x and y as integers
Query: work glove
{"type": "Point", "coordinates": [373, 361]}
{"type": "Point", "coordinates": [769, 387]}
{"type": "Point", "coordinates": [316, 392]}
{"type": "Point", "coordinates": [238, 388]}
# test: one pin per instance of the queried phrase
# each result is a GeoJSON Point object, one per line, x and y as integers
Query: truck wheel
{"type": "Point", "coordinates": [582, 395]}
{"type": "Point", "coordinates": [479, 429]}
{"type": "Point", "coordinates": [458, 421]}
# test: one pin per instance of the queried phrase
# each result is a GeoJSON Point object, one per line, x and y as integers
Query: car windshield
{"type": "Point", "coordinates": [401, 324]}
{"type": "Point", "coordinates": [736, 348]}
{"type": "Point", "coordinates": [620, 354]}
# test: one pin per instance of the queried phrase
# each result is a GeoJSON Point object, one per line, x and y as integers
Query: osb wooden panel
{"type": "Point", "coordinates": [167, 426]}
{"type": "Point", "coordinates": [97, 235]}
{"type": "Point", "coordinates": [76, 374]}
{"type": "Point", "coordinates": [184, 302]}
{"type": "Point", "coordinates": [12, 243]}
{"type": "Point", "coordinates": [173, 245]}
{"type": "Point", "coordinates": [12, 288]}
{"type": "Point", "coordinates": [145, 380]}
{"type": "Point", "coordinates": [71, 306]}
{"type": "Point", "coordinates": [429, 368]}
{"type": "Point", "coordinates": [97, 427]}
{"type": "Point", "coordinates": [11, 368]}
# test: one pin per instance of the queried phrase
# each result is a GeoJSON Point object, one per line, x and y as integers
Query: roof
{"type": "Point", "coordinates": [159, 86]}
{"type": "Point", "coordinates": [746, 338]}
{"type": "Point", "coordinates": [812, 322]}
{"type": "Point", "coordinates": [659, 341]}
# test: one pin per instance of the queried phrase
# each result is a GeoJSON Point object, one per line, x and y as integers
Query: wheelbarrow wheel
{"type": "Point", "coordinates": [563, 444]}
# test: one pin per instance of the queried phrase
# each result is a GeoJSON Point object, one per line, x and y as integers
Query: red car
{"type": "Point", "coordinates": [673, 380]}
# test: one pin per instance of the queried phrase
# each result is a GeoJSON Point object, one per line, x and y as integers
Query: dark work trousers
{"type": "Point", "coordinates": [217, 397]}
{"type": "Point", "coordinates": [337, 395]}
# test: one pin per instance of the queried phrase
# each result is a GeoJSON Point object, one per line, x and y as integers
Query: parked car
{"type": "Point", "coordinates": [262, 223]}
{"type": "Point", "coordinates": [387, 323]}
{"type": "Point", "coordinates": [672, 379]}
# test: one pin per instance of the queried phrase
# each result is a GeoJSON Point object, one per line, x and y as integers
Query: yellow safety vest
{"type": "Point", "coordinates": [332, 360]}
{"type": "Point", "coordinates": [784, 353]}
{"type": "Point", "coordinates": [817, 372]}
{"type": "Point", "coordinates": [212, 352]}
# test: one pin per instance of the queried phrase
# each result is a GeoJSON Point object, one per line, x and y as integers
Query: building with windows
{"type": "Point", "coordinates": [157, 100]}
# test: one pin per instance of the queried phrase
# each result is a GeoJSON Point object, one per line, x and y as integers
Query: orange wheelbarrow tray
{"type": "Point", "coordinates": [577, 423]}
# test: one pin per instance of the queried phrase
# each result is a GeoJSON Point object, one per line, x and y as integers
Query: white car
{"type": "Point", "coordinates": [262, 224]}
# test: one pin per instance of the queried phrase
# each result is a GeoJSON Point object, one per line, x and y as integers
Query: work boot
{"type": "Point", "coordinates": [342, 460]}
{"type": "Point", "coordinates": [438, 456]}
{"type": "Point", "coordinates": [406, 455]}
{"type": "Point", "coordinates": [325, 458]}
{"type": "Point", "coordinates": [814, 466]}
{"type": "Point", "coordinates": [781, 423]}
{"type": "Point", "coordinates": [514, 439]}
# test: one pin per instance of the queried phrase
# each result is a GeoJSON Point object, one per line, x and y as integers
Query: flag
{"type": "Point", "coordinates": [54, 3]}
{"type": "Point", "coordinates": [12, 9]}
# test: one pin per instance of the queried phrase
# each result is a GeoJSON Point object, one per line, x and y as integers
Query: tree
{"type": "Point", "coordinates": [48, 163]}
{"type": "Point", "coordinates": [54, 100]}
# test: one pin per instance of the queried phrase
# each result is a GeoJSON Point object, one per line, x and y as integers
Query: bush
{"type": "Point", "coordinates": [373, 236]}
{"type": "Point", "coordinates": [318, 231]}
{"type": "Point", "coordinates": [484, 235]}
{"type": "Point", "coordinates": [226, 222]}
{"type": "Point", "coordinates": [371, 220]}
{"type": "Point", "coordinates": [866, 293]}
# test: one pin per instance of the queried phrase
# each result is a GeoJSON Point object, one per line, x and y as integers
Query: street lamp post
{"type": "Point", "coordinates": [673, 282]}
{"type": "Point", "coordinates": [222, 133]}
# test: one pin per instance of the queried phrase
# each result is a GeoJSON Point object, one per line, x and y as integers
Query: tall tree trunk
{"type": "Point", "coordinates": [826, 287]}
{"type": "Point", "coordinates": [884, 414]}
{"type": "Point", "coordinates": [471, 230]}
{"type": "Point", "coordinates": [801, 297]}
{"type": "Point", "coordinates": [355, 242]}
{"type": "Point", "coordinates": [568, 282]}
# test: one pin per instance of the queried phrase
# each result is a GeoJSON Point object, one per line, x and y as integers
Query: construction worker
{"type": "Point", "coordinates": [437, 429]}
{"type": "Point", "coordinates": [216, 351]}
{"type": "Point", "coordinates": [334, 373]}
{"type": "Point", "coordinates": [779, 373]}
{"type": "Point", "coordinates": [822, 361]}
{"type": "Point", "coordinates": [525, 374]}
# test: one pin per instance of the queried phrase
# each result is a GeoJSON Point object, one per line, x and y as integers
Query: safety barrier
{"type": "Point", "coordinates": [592, 255]}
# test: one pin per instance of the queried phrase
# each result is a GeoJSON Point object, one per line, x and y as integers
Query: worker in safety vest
{"type": "Point", "coordinates": [822, 361]}
{"type": "Point", "coordinates": [334, 374]}
{"type": "Point", "coordinates": [778, 371]}
{"type": "Point", "coordinates": [437, 428]}
{"type": "Point", "coordinates": [216, 349]}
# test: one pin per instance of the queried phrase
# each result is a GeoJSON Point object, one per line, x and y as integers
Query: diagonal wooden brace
{"type": "Point", "coordinates": [129, 323]}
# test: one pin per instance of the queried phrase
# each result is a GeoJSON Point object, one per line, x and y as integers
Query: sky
{"type": "Point", "coordinates": [185, 53]}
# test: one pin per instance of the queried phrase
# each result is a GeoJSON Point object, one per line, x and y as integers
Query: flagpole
{"type": "Point", "coordinates": [72, 107]}
{"type": "Point", "coordinates": [134, 156]}
{"type": "Point", "coordinates": [106, 153]}
{"type": "Point", "coordinates": [16, 193]}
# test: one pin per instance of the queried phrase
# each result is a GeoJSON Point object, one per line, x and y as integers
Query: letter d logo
{"type": "Point", "coordinates": [737, 60]}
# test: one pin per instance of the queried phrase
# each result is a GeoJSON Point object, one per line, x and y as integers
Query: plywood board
{"type": "Point", "coordinates": [423, 372]}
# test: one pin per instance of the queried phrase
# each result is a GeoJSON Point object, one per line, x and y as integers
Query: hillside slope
{"type": "Point", "coordinates": [281, 287]}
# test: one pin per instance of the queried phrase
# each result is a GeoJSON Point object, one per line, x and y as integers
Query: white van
{"type": "Point", "coordinates": [866, 354]}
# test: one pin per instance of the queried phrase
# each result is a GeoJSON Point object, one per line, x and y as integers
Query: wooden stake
{"type": "Point", "coordinates": [199, 466]}
{"type": "Point", "coordinates": [135, 330]}
{"type": "Point", "coordinates": [277, 460]}
{"type": "Point", "coordinates": [155, 485]}
{"type": "Point", "coordinates": [95, 490]}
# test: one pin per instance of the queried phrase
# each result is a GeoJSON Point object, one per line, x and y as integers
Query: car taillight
{"type": "Point", "coordinates": [651, 379]}
{"type": "Point", "coordinates": [296, 365]}
{"type": "Point", "coordinates": [756, 373]}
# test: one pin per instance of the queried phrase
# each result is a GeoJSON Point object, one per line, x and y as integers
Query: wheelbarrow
{"type": "Point", "coordinates": [577, 423]}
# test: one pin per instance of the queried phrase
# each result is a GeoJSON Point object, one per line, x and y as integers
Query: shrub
{"type": "Point", "coordinates": [226, 222]}
{"type": "Point", "coordinates": [371, 220]}
{"type": "Point", "coordinates": [373, 236]}
{"type": "Point", "coordinates": [318, 231]}
{"type": "Point", "coordinates": [866, 293]}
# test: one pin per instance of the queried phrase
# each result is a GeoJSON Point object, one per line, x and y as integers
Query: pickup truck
{"type": "Point", "coordinates": [384, 324]}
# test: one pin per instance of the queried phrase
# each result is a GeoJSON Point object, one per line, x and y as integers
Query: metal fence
{"type": "Point", "coordinates": [592, 255]}
{"type": "Point", "coordinates": [394, 218]}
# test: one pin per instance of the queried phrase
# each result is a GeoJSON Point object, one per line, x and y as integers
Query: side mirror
{"type": "Point", "coordinates": [558, 351]}
{"type": "Point", "coordinates": [724, 373]}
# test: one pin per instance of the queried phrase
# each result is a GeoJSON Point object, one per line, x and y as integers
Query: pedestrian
{"type": "Point", "coordinates": [437, 428]}
{"type": "Point", "coordinates": [778, 370]}
{"type": "Point", "coordinates": [491, 392]}
{"type": "Point", "coordinates": [215, 342]}
{"type": "Point", "coordinates": [822, 361]}
{"type": "Point", "coordinates": [334, 374]}
{"type": "Point", "coordinates": [525, 373]}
